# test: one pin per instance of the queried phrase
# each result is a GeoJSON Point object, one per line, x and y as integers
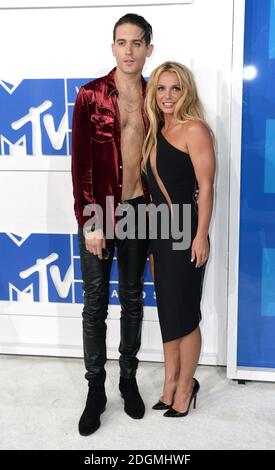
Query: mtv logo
{"type": "Point", "coordinates": [34, 112]}
{"type": "Point", "coordinates": [16, 149]}
{"type": "Point", "coordinates": [10, 87]}
{"type": "Point", "coordinates": [36, 115]}
{"type": "Point", "coordinates": [26, 295]}
{"type": "Point", "coordinates": [41, 268]}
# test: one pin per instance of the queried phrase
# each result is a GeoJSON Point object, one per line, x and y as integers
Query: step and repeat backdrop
{"type": "Point", "coordinates": [48, 50]}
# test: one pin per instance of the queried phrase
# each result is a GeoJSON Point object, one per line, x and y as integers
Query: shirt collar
{"type": "Point", "coordinates": [111, 85]}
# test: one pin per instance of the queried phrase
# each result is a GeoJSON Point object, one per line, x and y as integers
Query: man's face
{"type": "Point", "coordinates": [130, 49]}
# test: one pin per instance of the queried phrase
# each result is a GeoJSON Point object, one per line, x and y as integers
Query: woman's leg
{"type": "Point", "coordinates": [190, 347]}
{"type": "Point", "coordinates": [171, 358]}
{"type": "Point", "coordinates": [172, 370]}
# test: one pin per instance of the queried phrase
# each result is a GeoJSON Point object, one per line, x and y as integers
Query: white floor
{"type": "Point", "coordinates": [41, 400]}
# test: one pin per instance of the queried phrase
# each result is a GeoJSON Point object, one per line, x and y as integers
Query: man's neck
{"type": "Point", "coordinates": [126, 81]}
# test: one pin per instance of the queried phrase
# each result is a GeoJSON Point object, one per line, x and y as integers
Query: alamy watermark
{"type": "Point", "coordinates": [142, 221]}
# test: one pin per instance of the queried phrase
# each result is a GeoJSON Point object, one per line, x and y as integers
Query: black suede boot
{"type": "Point", "coordinates": [133, 403]}
{"type": "Point", "coordinates": [95, 405]}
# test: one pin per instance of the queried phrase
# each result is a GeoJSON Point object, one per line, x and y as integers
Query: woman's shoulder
{"type": "Point", "coordinates": [196, 129]}
{"type": "Point", "coordinates": [194, 125]}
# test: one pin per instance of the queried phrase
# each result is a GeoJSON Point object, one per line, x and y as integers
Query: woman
{"type": "Point", "coordinates": [178, 157]}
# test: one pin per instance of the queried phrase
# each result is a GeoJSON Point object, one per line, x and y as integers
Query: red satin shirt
{"type": "Point", "coordinates": [97, 167]}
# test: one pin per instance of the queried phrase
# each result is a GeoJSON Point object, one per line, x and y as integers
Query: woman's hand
{"type": "Point", "coordinates": [197, 192]}
{"type": "Point", "coordinates": [199, 251]}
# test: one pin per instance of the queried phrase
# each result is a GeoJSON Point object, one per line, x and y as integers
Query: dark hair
{"type": "Point", "coordinates": [138, 20]}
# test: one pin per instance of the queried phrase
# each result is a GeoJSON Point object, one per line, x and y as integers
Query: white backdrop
{"type": "Point", "coordinates": [76, 42]}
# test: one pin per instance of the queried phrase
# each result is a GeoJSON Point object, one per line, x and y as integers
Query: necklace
{"type": "Point", "coordinates": [130, 106]}
{"type": "Point", "coordinates": [128, 110]}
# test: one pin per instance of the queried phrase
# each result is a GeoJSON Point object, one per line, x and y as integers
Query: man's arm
{"type": "Point", "coordinates": [82, 157]}
{"type": "Point", "coordinates": [82, 178]}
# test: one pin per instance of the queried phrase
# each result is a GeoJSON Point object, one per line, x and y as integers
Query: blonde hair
{"type": "Point", "coordinates": [187, 108]}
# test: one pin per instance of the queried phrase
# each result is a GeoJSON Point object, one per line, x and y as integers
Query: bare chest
{"type": "Point", "coordinates": [130, 111]}
{"type": "Point", "coordinates": [131, 120]}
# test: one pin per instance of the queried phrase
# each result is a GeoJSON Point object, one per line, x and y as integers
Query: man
{"type": "Point", "coordinates": [108, 133]}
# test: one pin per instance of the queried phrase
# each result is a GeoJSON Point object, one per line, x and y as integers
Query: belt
{"type": "Point", "coordinates": [134, 202]}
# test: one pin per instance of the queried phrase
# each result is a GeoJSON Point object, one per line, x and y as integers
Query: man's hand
{"type": "Point", "coordinates": [95, 241]}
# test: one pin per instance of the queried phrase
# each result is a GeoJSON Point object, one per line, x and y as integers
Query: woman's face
{"type": "Point", "coordinates": [168, 92]}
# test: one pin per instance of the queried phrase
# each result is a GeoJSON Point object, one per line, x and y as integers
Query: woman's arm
{"type": "Point", "coordinates": [201, 151]}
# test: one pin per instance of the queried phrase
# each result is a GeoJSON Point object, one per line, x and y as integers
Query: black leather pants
{"type": "Point", "coordinates": [131, 256]}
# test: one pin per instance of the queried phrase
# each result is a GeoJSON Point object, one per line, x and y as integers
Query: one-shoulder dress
{"type": "Point", "coordinates": [178, 283]}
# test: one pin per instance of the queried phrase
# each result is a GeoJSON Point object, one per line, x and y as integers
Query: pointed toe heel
{"type": "Point", "coordinates": [172, 413]}
{"type": "Point", "coordinates": [160, 405]}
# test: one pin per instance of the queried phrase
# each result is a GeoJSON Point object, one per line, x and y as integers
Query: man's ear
{"type": "Point", "coordinates": [112, 46]}
{"type": "Point", "coordinates": [150, 50]}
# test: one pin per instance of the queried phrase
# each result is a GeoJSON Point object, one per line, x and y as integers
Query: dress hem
{"type": "Point", "coordinates": [185, 334]}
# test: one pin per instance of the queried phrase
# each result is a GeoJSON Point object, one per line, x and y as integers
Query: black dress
{"type": "Point", "coordinates": [178, 283]}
